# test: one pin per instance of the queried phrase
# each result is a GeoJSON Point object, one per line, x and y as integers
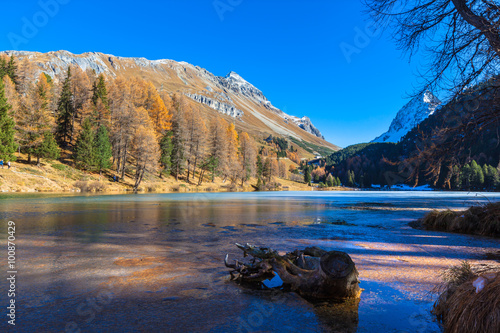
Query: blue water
{"type": "Point", "coordinates": [71, 250]}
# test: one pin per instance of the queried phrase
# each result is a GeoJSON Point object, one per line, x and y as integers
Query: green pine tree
{"type": "Point", "coordinates": [260, 166]}
{"type": "Point", "coordinates": [166, 148]}
{"type": "Point", "coordinates": [350, 179]}
{"type": "Point", "coordinates": [7, 143]}
{"type": "Point", "coordinates": [490, 177]}
{"type": "Point", "coordinates": [3, 67]}
{"type": "Point", "coordinates": [477, 175]}
{"type": "Point", "coordinates": [267, 171]}
{"type": "Point", "coordinates": [212, 164]}
{"type": "Point", "coordinates": [48, 148]}
{"type": "Point", "coordinates": [329, 180]}
{"type": "Point", "coordinates": [85, 155]}
{"type": "Point", "coordinates": [11, 69]}
{"type": "Point", "coordinates": [178, 157]}
{"type": "Point", "coordinates": [466, 176]}
{"type": "Point", "coordinates": [456, 178]}
{"type": "Point", "coordinates": [65, 111]}
{"type": "Point", "coordinates": [338, 181]}
{"type": "Point", "coordinates": [99, 91]}
{"type": "Point", "coordinates": [496, 178]}
{"type": "Point", "coordinates": [102, 149]}
{"type": "Point", "coordinates": [307, 175]}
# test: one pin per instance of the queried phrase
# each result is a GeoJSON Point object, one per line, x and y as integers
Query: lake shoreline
{"type": "Point", "coordinates": [22, 178]}
{"type": "Point", "coordinates": [60, 178]}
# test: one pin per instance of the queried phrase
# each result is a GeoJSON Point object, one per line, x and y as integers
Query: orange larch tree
{"type": "Point", "coordinates": [248, 157]}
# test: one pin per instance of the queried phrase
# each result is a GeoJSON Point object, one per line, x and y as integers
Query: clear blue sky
{"type": "Point", "coordinates": [291, 50]}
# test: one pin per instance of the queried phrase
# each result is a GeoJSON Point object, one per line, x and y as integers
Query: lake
{"type": "Point", "coordinates": [154, 262]}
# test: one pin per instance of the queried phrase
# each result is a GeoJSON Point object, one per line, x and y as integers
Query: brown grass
{"type": "Point", "coordinates": [57, 177]}
{"type": "Point", "coordinates": [94, 186]}
{"type": "Point", "coordinates": [477, 220]}
{"type": "Point", "coordinates": [460, 308]}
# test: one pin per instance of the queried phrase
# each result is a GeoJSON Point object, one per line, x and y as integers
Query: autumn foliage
{"type": "Point", "coordinates": [123, 127]}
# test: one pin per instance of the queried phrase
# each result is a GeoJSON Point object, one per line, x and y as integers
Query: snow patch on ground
{"type": "Point", "coordinates": [404, 187]}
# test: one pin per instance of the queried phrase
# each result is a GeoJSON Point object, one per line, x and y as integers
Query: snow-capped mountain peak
{"type": "Point", "coordinates": [236, 78]}
{"type": "Point", "coordinates": [239, 85]}
{"type": "Point", "coordinates": [410, 116]}
{"type": "Point", "coordinates": [432, 100]}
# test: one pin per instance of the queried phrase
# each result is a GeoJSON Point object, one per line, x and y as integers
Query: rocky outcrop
{"type": "Point", "coordinates": [60, 60]}
{"type": "Point", "coordinates": [224, 108]}
{"type": "Point", "coordinates": [306, 124]}
{"type": "Point", "coordinates": [237, 84]}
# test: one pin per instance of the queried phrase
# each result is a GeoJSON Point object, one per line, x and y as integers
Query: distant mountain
{"type": "Point", "coordinates": [450, 137]}
{"type": "Point", "coordinates": [411, 115]}
{"type": "Point", "coordinates": [231, 95]}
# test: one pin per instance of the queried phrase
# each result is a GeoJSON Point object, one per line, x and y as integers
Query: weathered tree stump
{"type": "Point", "coordinates": [313, 273]}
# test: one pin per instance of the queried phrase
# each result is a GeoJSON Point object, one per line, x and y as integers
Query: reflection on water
{"type": "Point", "coordinates": [155, 262]}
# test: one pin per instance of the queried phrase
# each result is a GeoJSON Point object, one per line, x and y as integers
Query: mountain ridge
{"type": "Point", "coordinates": [230, 95]}
{"type": "Point", "coordinates": [409, 117]}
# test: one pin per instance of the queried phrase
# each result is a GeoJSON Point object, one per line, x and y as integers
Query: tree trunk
{"type": "Point", "coordinates": [200, 180]}
{"type": "Point", "coordinates": [118, 160]}
{"type": "Point", "coordinates": [138, 177]}
{"type": "Point", "coordinates": [194, 167]}
{"type": "Point", "coordinates": [72, 127]}
{"type": "Point", "coordinates": [124, 160]}
{"type": "Point", "coordinates": [333, 275]}
{"type": "Point", "coordinates": [313, 273]}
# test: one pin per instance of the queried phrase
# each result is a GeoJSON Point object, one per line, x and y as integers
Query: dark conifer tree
{"type": "Point", "coordinates": [178, 158]}
{"type": "Point", "coordinates": [307, 175]}
{"type": "Point", "coordinates": [99, 91]}
{"type": "Point", "coordinates": [65, 111]}
{"type": "Point", "coordinates": [11, 69]}
{"type": "Point", "coordinates": [102, 149]}
{"type": "Point", "coordinates": [48, 148]}
{"type": "Point", "coordinates": [100, 101]}
{"type": "Point", "coordinates": [84, 155]}
{"type": "Point", "coordinates": [7, 143]}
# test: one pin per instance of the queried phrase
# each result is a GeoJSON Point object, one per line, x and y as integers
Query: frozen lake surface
{"type": "Point", "coordinates": [154, 262]}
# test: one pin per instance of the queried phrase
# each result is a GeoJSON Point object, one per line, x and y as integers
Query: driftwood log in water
{"type": "Point", "coordinates": [313, 272]}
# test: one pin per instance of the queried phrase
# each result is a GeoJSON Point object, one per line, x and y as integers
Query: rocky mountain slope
{"type": "Point", "coordinates": [231, 95]}
{"type": "Point", "coordinates": [412, 114]}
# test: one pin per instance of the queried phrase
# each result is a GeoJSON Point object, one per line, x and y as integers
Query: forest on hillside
{"type": "Point", "coordinates": [456, 148]}
{"type": "Point", "coordinates": [126, 126]}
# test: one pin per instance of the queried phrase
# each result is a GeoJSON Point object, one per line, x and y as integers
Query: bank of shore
{"type": "Point", "coordinates": [58, 178]}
